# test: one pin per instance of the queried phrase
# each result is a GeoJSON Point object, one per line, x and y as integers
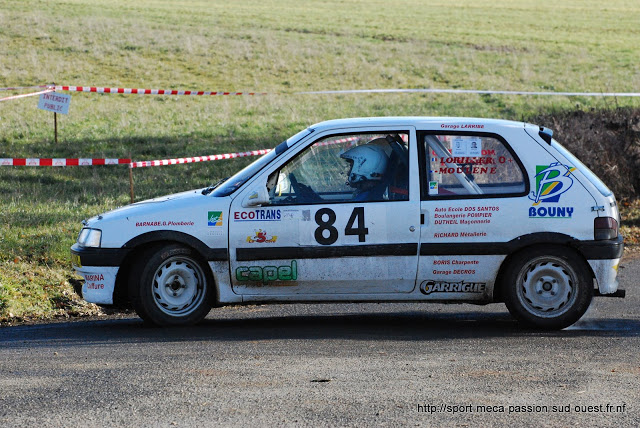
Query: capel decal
{"type": "Point", "coordinates": [268, 273]}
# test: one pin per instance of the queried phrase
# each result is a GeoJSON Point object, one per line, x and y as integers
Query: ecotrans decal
{"type": "Point", "coordinates": [258, 215]}
{"type": "Point", "coordinates": [551, 182]}
{"type": "Point", "coordinates": [261, 237]}
{"type": "Point", "coordinates": [431, 286]}
{"type": "Point", "coordinates": [268, 273]}
{"type": "Point", "coordinates": [214, 218]}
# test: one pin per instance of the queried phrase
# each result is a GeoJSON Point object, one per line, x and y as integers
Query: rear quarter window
{"type": "Point", "coordinates": [460, 166]}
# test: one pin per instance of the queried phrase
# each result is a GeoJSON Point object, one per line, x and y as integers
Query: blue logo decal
{"type": "Point", "coordinates": [551, 182]}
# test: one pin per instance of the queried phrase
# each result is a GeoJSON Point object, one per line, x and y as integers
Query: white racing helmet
{"type": "Point", "coordinates": [368, 162]}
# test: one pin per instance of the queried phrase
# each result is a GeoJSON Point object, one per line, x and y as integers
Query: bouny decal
{"type": "Point", "coordinates": [551, 182]}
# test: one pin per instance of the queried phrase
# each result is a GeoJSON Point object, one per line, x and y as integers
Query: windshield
{"type": "Point", "coordinates": [238, 179]}
{"type": "Point", "coordinates": [582, 168]}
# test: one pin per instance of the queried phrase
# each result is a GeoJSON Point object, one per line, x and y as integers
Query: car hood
{"type": "Point", "coordinates": [186, 212]}
{"type": "Point", "coordinates": [148, 206]}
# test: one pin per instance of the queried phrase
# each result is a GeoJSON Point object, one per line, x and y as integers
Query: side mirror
{"type": "Point", "coordinates": [256, 197]}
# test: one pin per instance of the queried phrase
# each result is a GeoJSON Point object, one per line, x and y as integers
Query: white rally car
{"type": "Point", "coordinates": [403, 209]}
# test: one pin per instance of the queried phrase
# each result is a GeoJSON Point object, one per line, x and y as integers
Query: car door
{"type": "Point", "coordinates": [341, 219]}
{"type": "Point", "coordinates": [474, 189]}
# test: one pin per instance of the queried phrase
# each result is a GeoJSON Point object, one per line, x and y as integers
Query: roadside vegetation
{"type": "Point", "coordinates": [279, 47]}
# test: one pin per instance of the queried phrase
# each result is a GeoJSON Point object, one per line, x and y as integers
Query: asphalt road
{"type": "Point", "coordinates": [337, 365]}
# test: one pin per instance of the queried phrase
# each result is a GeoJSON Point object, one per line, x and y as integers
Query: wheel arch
{"type": "Point", "coordinates": [533, 241]}
{"type": "Point", "coordinates": [146, 242]}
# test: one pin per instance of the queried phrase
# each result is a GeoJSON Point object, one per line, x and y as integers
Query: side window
{"type": "Point", "coordinates": [345, 168]}
{"type": "Point", "coordinates": [470, 165]}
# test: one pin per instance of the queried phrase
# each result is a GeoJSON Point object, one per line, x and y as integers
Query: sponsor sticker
{"type": "Point", "coordinates": [262, 237]}
{"type": "Point", "coordinates": [214, 218]}
{"type": "Point", "coordinates": [433, 187]}
{"type": "Point", "coordinates": [258, 215]}
{"type": "Point", "coordinates": [156, 223]}
{"type": "Point", "coordinates": [552, 181]}
{"type": "Point", "coordinates": [268, 274]}
{"type": "Point", "coordinates": [94, 281]}
{"type": "Point", "coordinates": [430, 286]}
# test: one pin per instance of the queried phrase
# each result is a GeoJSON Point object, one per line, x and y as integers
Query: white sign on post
{"type": "Point", "coordinates": [57, 103]}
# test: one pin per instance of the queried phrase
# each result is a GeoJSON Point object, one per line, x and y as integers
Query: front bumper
{"type": "Point", "coordinates": [99, 268]}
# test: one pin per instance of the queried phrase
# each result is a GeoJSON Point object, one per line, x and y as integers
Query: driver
{"type": "Point", "coordinates": [368, 163]}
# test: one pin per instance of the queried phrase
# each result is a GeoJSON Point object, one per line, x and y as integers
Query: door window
{"type": "Point", "coordinates": [468, 165]}
{"type": "Point", "coordinates": [363, 167]}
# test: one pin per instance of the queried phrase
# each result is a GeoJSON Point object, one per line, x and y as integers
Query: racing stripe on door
{"type": "Point", "coordinates": [282, 253]}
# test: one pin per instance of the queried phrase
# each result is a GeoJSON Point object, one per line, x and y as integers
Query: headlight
{"type": "Point", "coordinates": [90, 237]}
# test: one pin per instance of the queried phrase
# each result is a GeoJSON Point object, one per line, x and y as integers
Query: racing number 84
{"type": "Point", "coordinates": [356, 215]}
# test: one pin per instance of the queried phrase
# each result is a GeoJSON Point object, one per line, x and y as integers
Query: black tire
{"type": "Point", "coordinates": [549, 288]}
{"type": "Point", "coordinates": [171, 286]}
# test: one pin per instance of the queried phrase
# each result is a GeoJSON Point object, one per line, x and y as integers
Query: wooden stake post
{"type": "Point", "coordinates": [131, 183]}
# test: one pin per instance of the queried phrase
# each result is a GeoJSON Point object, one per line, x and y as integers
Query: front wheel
{"type": "Point", "coordinates": [170, 287]}
{"type": "Point", "coordinates": [548, 288]}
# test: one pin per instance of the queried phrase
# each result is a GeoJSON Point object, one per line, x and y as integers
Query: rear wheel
{"type": "Point", "coordinates": [171, 287]}
{"type": "Point", "coordinates": [548, 288]}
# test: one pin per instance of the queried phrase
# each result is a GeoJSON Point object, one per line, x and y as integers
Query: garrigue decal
{"type": "Point", "coordinates": [430, 286]}
{"type": "Point", "coordinates": [260, 237]}
{"type": "Point", "coordinates": [268, 273]}
{"type": "Point", "coordinates": [551, 182]}
{"type": "Point", "coordinates": [214, 218]}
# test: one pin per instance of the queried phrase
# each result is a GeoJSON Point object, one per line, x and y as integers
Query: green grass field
{"type": "Point", "coordinates": [280, 47]}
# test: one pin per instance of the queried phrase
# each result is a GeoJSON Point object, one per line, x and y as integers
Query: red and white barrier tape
{"type": "Point", "coordinates": [22, 88]}
{"type": "Point", "coordinates": [177, 161]}
{"type": "Point", "coordinates": [14, 97]}
{"type": "Point", "coordinates": [142, 164]}
{"type": "Point", "coordinates": [148, 91]}
{"type": "Point", "coordinates": [105, 90]}
{"type": "Point", "coordinates": [349, 91]}
{"type": "Point", "coordinates": [60, 162]}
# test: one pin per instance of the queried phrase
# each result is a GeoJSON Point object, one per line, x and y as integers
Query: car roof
{"type": "Point", "coordinates": [450, 123]}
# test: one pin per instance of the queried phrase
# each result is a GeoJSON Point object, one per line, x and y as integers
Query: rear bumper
{"type": "Point", "coordinates": [601, 250]}
{"type": "Point", "coordinates": [605, 272]}
{"type": "Point", "coordinates": [604, 257]}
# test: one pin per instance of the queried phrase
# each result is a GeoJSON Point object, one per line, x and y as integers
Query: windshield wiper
{"type": "Point", "coordinates": [214, 186]}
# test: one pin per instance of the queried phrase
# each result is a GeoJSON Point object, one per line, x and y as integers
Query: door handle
{"type": "Point", "coordinates": [424, 217]}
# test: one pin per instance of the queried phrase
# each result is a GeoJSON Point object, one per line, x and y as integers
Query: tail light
{"type": "Point", "coordinates": [605, 228]}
